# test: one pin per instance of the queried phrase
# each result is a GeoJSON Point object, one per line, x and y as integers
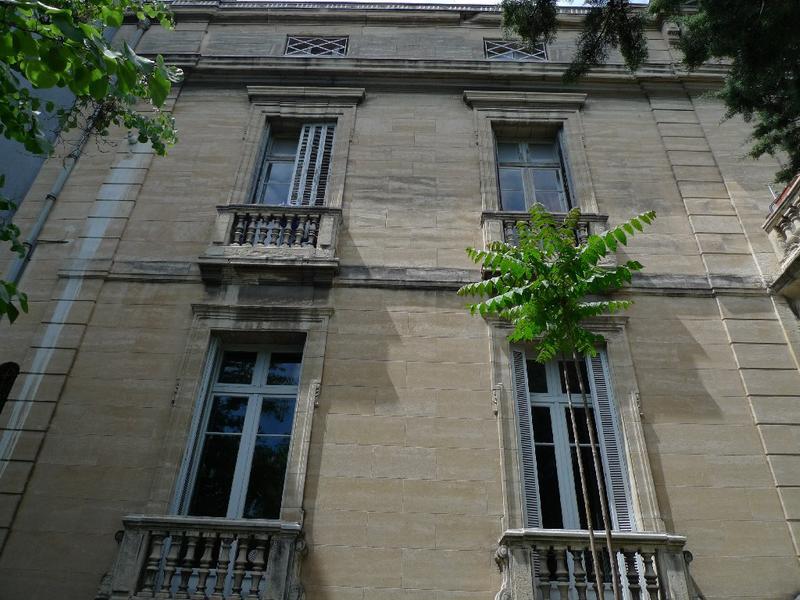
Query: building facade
{"type": "Point", "coordinates": [245, 371]}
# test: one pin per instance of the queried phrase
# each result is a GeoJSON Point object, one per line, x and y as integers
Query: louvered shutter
{"type": "Point", "coordinates": [527, 456]}
{"type": "Point", "coordinates": [616, 473]}
{"type": "Point", "coordinates": [312, 165]}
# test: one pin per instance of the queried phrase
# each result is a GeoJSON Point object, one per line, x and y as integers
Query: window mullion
{"type": "Point", "coordinates": [244, 459]}
{"type": "Point", "coordinates": [566, 478]}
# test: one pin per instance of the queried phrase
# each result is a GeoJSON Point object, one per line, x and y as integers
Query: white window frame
{"type": "Point", "coordinates": [255, 394]}
{"type": "Point", "coordinates": [301, 45]}
{"type": "Point", "coordinates": [514, 51]}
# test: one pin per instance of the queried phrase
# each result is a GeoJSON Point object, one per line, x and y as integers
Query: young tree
{"type": "Point", "coordinates": [62, 45]}
{"type": "Point", "coordinates": [547, 286]}
{"type": "Point", "coordinates": [760, 40]}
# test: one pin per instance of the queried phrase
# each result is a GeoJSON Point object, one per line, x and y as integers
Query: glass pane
{"type": "Point", "coordinates": [513, 200]}
{"type": "Point", "coordinates": [510, 179]}
{"type": "Point", "coordinates": [508, 151]}
{"type": "Point", "coordinates": [574, 386]}
{"type": "Point", "coordinates": [284, 368]}
{"type": "Point", "coordinates": [284, 146]}
{"type": "Point", "coordinates": [212, 487]}
{"type": "Point", "coordinates": [580, 421]}
{"type": "Point", "coordinates": [280, 172]}
{"type": "Point", "coordinates": [542, 426]}
{"type": "Point", "coordinates": [546, 179]}
{"type": "Point", "coordinates": [548, 487]}
{"type": "Point", "coordinates": [551, 201]}
{"type": "Point", "coordinates": [542, 153]}
{"type": "Point", "coordinates": [276, 194]}
{"type": "Point", "coordinates": [537, 377]}
{"type": "Point", "coordinates": [227, 414]}
{"type": "Point", "coordinates": [277, 415]}
{"type": "Point", "coordinates": [237, 367]}
{"type": "Point", "coordinates": [591, 485]}
{"type": "Point", "coordinates": [267, 474]}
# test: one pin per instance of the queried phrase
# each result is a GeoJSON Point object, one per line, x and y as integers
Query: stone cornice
{"type": "Point", "coordinates": [403, 73]}
{"type": "Point", "coordinates": [346, 95]}
{"type": "Point", "coordinates": [502, 98]}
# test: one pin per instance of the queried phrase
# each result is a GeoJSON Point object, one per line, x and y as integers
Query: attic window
{"type": "Point", "coordinates": [512, 50]}
{"type": "Point", "coordinates": [315, 46]}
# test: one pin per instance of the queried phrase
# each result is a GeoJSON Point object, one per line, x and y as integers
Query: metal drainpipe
{"type": "Point", "coordinates": [17, 268]}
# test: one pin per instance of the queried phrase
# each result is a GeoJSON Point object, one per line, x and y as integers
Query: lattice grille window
{"type": "Point", "coordinates": [315, 46]}
{"type": "Point", "coordinates": [514, 50]}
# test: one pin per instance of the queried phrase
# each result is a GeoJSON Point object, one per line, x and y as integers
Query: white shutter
{"type": "Point", "coordinates": [312, 165]}
{"type": "Point", "coordinates": [614, 464]}
{"type": "Point", "coordinates": [527, 456]}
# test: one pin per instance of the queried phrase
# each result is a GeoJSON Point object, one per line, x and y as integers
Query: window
{"type": "Point", "coordinates": [552, 490]}
{"type": "Point", "coordinates": [531, 172]}
{"type": "Point", "coordinates": [295, 165]}
{"type": "Point", "coordinates": [243, 446]}
{"type": "Point", "coordinates": [514, 50]}
{"type": "Point", "coordinates": [8, 374]}
{"type": "Point", "coordinates": [315, 46]}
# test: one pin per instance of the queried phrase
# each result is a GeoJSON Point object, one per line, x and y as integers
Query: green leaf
{"type": "Point", "coordinates": [159, 87]}
{"type": "Point", "coordinates": [56, 60]}
{"type": "Point", "coordinates": [620, 236]}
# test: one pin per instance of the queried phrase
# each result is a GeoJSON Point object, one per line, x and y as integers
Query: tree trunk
{"type": "Point", "coordinates": [601, 485]}
{"type": "Point", "coordinates": [598, 575]}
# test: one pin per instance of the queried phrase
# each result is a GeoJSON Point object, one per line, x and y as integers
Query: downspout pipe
{"type": "Point", "coordinates": [17, 269]}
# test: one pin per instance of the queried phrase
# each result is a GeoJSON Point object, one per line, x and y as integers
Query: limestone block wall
{"type": "Point", "coordinates": [403, 492]}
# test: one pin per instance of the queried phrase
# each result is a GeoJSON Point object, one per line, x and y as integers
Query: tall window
{"type": "Point", "coordinates": [243, 448]}
{"type": "Point", "coordinates": [531, 172]}
{"type": "Point", "coordinates": [553, 495]}
{"type": "Point", "coordinates": [295, 165]}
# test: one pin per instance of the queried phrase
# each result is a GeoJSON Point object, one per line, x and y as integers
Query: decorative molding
{"type": "Point", "coordinates": [347, 95]}
{"type": "Point", "coordinates": [503, 99]}
{"type": "Point", "coordinates": [282, 314]}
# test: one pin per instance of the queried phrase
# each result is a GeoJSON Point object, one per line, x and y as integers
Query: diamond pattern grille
{"type": "Point", "coordinates": [316, 46]}
{"type": "Point", "coordinates": [513, 50]}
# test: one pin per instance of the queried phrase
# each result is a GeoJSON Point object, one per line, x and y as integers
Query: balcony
{"type": "Point", "coordinates": [783, 228]}
{"type": "Point", "coordinates": [502, 226]}
{"type": "Point", "coordinates": [554, 564]}
{"type": "Point", "coordinates": [291, 241]}
{"type": "Point", "coordinates": [198, 558]}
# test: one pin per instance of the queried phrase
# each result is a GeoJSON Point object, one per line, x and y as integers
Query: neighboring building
{"type": "Point", "coordinates": [245, 371]}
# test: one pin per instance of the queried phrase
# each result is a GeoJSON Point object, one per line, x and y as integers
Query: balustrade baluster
{"type": "Point", "coordinates": [261, 230]}
{"type": "Point", "coordinates": [171, 563]}
{"type": "Point", "coordinates": [313, 222]}
{"type": "Point", "coordinates": [259, 564]}
{"type": "Point", "coordinates": [187, 564]}
{"type": "Point", "coordinates": [153, 561]}
{"type": "Point", "coordinates": [562, 574]}
{"type": "Point", "coordinates": [544, 574]}
{"type": "Point", "coordinates": [509, 234]}
{"type": "Point", "coordinates": [632, 573]}
{"type": "Point", "coordinates": [221, 570]}
{"type": "Point", "coordinates": [238, 230]}
{"type": "Point", "coordinates": [287, 231]}
{"type": "Point", "coordinates": [274, 230]}
{"type": "Point", "coordinates": [204, 565]}
{"type": "Point", "coordinates": [579, 573]}
{"type": "Point", "coordinates": [239, 566]}
{"type": "Point", "coordinates": [650, 577]}
{"type": "Point", "coordinates": [300, 232]}
{"type": "Point", "coordinates": [250, 231]}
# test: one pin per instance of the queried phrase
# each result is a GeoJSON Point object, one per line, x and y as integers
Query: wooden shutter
{"type": "Point", "coordinates": [312, 165]}
{"type": "Point", "coordinates": [614, 464]}
{"type": "Point", "coordinates": [569, 186]}
{"type": "Point", "coordinates": [527, 457]}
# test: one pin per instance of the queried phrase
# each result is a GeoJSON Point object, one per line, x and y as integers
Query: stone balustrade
{"type": "Point", "coordinates": [783, 227]}
{"type": "Point", "coordinates": [252, 237]}
{"type": "Point", "coordinates": [199, 558]}
{"type": "Point", "coordinates": [502, 226]}
{"type": "Point", "coordinates": [551, 564]}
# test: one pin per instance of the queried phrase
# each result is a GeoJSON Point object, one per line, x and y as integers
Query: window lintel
{"type": "Point", "coordinates": [345, 95]}
{"type": "Point", "coordinates": [488, 99]}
